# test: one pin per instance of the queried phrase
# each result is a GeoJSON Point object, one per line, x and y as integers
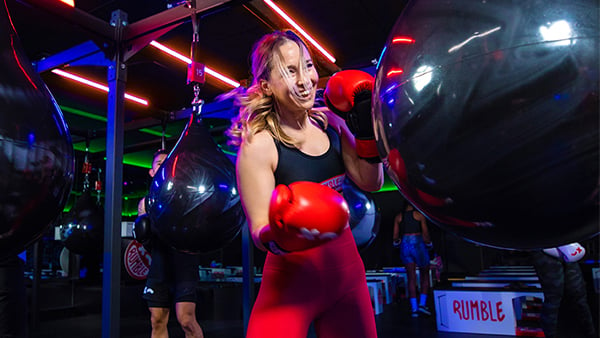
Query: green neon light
{"type": "Point", "coordinates": [80, 112]}
{"type": "Point", "coordinates": [231, 153]}
{"type": "Point", "coordinates": [97, 117]}
{"type": "Point", "coordinates": [388, 187]}
{"type": "Point", "coordinates": [153, 132]}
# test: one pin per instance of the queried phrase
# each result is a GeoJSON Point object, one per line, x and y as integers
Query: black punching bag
{"type": "Point", "coordinates": [36, 151]}
{"type": "Point", "coordinates": [193, 203]}
{"type": "Point", "coordinates": [85, 227]}
{"type": "Point", "coordinates": [486, 116]}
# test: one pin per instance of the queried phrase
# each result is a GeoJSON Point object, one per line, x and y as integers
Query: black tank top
{"type": "Point", "coordinates": [409, 224]}
{"type": "Point", "coordinates": [327, 169]}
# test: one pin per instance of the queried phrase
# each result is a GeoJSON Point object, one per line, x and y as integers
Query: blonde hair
{"type": "Point", "coordinates": [258, 111]}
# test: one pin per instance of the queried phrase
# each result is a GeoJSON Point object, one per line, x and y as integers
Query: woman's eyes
{"type": "Point", "coordinates": [293, 70]}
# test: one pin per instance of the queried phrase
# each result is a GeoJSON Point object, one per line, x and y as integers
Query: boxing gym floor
{"type": "Point", "coordinates": [73, 309]}
{"type": "Point", "coordinates": [82, 317]}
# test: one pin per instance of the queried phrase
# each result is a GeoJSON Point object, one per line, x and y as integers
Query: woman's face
{"type": "Point", "coordinates": [304, 97]}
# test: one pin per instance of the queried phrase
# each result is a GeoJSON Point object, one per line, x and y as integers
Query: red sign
{"type": "Point", "coordinates": [137, 260]}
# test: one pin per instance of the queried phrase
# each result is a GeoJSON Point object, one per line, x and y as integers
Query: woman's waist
{"type": "Point", "coordinates": [331, 255]}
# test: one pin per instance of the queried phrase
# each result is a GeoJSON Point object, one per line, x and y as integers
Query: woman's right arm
{"type": "Point", "coordinates": [255, 167]}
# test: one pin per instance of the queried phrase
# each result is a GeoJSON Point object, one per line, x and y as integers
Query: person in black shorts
{"type": "Point", "coordinates": [411, 235]}
{"type": "Point", "coordinates": [173, 277]}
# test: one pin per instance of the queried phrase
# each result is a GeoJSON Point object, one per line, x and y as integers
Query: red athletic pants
{"type": "Point", "coordinates": [325, 285]}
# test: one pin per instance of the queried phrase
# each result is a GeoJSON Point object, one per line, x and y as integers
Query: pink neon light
{"type": "Point", "coordinates": [187, 60]}
{"type": "Point", "coordinates": [97, 85]}
{"type": "Point", "coordinates": [395, 72]}
{"type": "Point", "coordinates": [300, 30]}
{"type": "Point", "coordinates": [69, 2]}
{"type": "Point", "coordinates": [403, 39]}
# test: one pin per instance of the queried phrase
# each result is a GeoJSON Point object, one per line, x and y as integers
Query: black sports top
{"type": "Point", "coordinates": [327, 169]}
{"type": "Point", "coordinates": [409, 224]}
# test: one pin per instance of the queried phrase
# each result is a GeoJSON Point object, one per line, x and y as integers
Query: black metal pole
{"type": "Point", "coordinates": [111, 290]}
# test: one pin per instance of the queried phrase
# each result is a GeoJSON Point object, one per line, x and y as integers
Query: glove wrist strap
{"type": "Point", "coordinates": [274, 248]}
{"type": "Point", "coordinates": [266, 238]}
{"type": "Point", "coordinates": [367, 149]}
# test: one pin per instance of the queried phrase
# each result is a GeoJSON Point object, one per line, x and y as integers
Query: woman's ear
{"type": "Point", "coordinates": [266, 88]}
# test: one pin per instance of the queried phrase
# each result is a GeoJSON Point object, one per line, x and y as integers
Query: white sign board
{"type": "Point", "coordinates": [484, 312]}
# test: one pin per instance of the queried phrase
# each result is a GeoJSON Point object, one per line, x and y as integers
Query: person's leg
{"type": "Point", "coordinates": [186, 316]}
{"type": "Point", "coordinates": [159, 318]}
{"type": "Point", "coordinates": [551, 275]}
{"type": "Point", "coordinates": [287, 302]}
{"type": "Point", "coordinates": [157, 294]}
{"type": "Point", "coordinates": [424, 281]}
{"type": "Point", "coordinates": [422, 259]}
{"type": "Point", "coordinates": [411, 275]}
{"type": "Point", "coordinates": [407, 255]}
{"type": "Point", "coordinates": [352, 316]}
{"type": "Point", "coordinates": [185, 268]}
{"type": "Point", "coordinates": [576, 294]}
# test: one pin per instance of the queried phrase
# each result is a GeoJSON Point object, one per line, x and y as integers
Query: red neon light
{"type": "Point", "coordinates": [97, 85]}
{"type": "Point", "coordinates": [403, 40]}
{"type": "Point", "coordinates": [69, 2]}
{"type": "Point", "coordinates": [394, 72]}
{"type": "Point", "coordinates": [300, 30]}
{"type": "Point", "coordinates": [12, 42]}
{"type": "Point", "coordinates": [187, 60]}
{"type": "Point", "coordinates": [19, 62]}
{"type": "Point", "coordinates": [174, 166]}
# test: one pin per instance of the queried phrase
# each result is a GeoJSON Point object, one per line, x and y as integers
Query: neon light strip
{"type": "Point", "coordinates": [79, 112]}
{"type": "Point", "coordinates": [299, 29]}
{"type": "Point", "coordinates": [187, 60]}
{"type": "Point", "coordinates": [395, 72]}
{"type": "Point", "coordinates": [403, 39]}
{"type": "Point", "coordinates": [153, 132]}
{"type": "Point", "coordinates": [92, 116]}
{"type": "Point", "coordinates": [69, 2]}
{"type": "Point", "coordinates": [97, 85]}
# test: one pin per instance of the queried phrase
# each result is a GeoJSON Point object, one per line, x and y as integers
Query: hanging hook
{"type": "Point", "coordinates": [196, 69]}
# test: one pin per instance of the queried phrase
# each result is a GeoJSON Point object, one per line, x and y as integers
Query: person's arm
{"type": "Point", "coordinates": [141, 206]}
{"type": "Point", "coordinates": [348, 95]}
{"type": "Point", "coordinates": [255, 167]}
{"type": "Point", "coordinates": [367, 176]}
{"type": "Point", "coordinates": [396, 235]}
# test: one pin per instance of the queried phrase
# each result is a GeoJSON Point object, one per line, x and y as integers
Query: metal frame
{"type": "Point", "coordinates": [124, 41]}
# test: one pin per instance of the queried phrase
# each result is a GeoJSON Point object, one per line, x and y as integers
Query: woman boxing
{"type": "Point", "coordinates": [313, 272]}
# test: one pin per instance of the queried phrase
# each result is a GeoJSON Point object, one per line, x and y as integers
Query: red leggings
{"type": "Point", "coordinates": [326, 285]}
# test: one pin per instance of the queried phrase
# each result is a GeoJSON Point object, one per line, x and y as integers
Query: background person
{"type": "Point", "coordinates": [173, 276]}
{"type": "Point", "coordinates": [411, 235]}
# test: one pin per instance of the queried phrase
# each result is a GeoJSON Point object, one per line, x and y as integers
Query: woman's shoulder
{"type": "Point", "coordinates": [260, 144]}
{"type": "Point", "coordinates": [334, 121]}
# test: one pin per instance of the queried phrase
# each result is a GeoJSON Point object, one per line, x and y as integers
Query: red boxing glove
{"type": "Point", "coordinates": [348, 94]}
{"type": "Point", "coordinates": [303, 215]}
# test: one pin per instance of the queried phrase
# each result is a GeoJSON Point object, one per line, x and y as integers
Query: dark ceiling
{"type": "Point", "coordinates": [354, 31]}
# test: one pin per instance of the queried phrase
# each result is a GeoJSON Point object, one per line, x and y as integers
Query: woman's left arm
{"type": "Point", "coordinates": [367, 176]}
